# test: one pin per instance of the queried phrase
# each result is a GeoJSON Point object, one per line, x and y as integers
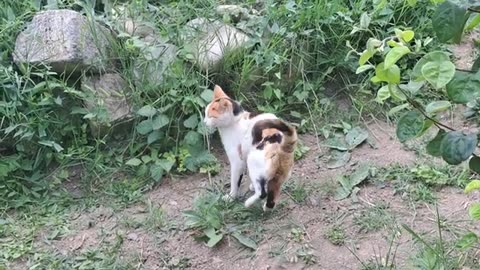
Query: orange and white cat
{"type": "Point", "coordinates": [260, 142]}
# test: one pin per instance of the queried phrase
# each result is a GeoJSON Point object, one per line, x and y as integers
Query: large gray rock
{"type": "Point", "coordinates": [208, 41]}
{"type": "Point", "coordinates": [65, 40]}
{"type": "Point", "coordinates": [109, 91]}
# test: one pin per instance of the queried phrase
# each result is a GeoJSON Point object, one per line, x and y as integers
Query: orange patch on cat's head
{"type": "Point", "coordinates": [220, 104]}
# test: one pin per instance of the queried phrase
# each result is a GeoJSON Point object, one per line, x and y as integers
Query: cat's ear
{"type": "Point", "coordinates": [218, 93]}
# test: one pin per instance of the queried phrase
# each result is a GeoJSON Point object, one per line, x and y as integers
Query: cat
{"type": "Point", "coordinates": [260, 142]}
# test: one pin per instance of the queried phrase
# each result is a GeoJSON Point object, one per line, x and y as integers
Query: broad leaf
{"type": "Point", "coordinates": [156, 172]}
{"type": "Point", "coordinates": [390, 75]}
{"type": "Point", "coordinates": [409, 125]}
{"type": "Point", "coordinates": [364, 20]}
{"type": "Point", "coordinates": [408, 35]}
{"type": "Point", "coordinates": [412, 86]}
{"type": "Point", "coordinates": [433, 147]}
{"type": "Point", "coordinates": [336, 142]}
{"type": "Point", "coordinates": [457, 147]}
{"type": "Point", "coordinates": [398, 108]}
{"type": "Point", "coordinates": [473, 185]}
{"type": "Point", "coordinates": [134, 162]}
{"type": "Point", "coordinates": [382, 94]}
{"type": "Point", "coordinates": [449, 21]}
{"type": "Point", "coordinates": [364, 68]}
{"type": "Point", "coordinates": [193, 138]}
{"type": "Point", "coordinates": [364, 57]}
{"type": "Point", "coordinates": [412, 3]}
{"type": "Point", "coordinates": [359, 175]}
{"type": "Point", "coordinates": [207, 95]}
{"type": "Point", "coordinates": [160, 121]}
{"type": "Point", "coordinates": [154, 136]}
{"type": "Point", "coordinates": [338, 159]}
{"type": "Point", "coordinates": [213, 237]}
{"type": "Point", "coordinates": [476, 64]}
{"type": "Point", "coordinates": [435, 56]}
{"type": "Point", "coordinates": [437, 106]}
{"type": "Point", "coordinates": [244, 240]}
{"type": "Point", "coordinates": [396, 93]}
{"type": "Point", "coordinates": [464, 87]}
{"type": "Point", "coordinates": [145, 126]}
{"type": "Point", "coordinates": [394, 55]}
{"type": "Point", "coordinates": [474, 164]}
{"type": "Point", "coordinates": [474, 211]}
{"type": "Point", "coordinates": [473, 23]}
{"type": "Point", "coordinates": [147, 111]}
{"type": "Point", "coordinates": [356, 136]}
{"type": "Point", "coordinates": [438, 74]}
{"type": "Point", "coordinates": [191, 122]}
{"type": "Point", "coordinates": [165, 164]}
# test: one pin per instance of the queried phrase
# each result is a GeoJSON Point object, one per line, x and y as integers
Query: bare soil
{"type": "Point", "coordinates": [168, 247]}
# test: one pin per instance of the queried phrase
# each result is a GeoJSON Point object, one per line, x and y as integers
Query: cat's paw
{"type": "Point", "coordinates": [251, 187]}
{"type": "Point", "coordinates": [265, 208]}
{"type": "Point", "coordinates": [250, 201]}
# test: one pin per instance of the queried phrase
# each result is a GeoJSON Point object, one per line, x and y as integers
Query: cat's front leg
{"type": "Point", "coordinates": [236, 175]}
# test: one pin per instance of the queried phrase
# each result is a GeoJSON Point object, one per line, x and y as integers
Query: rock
{"type": "Point", "coordinates": [209, 41]}
{"type": "Point", "coordinates": [65, 40]}
{"type": "Point", "coordinates": [109, 91]}
{"type": "Point", "coordinates": [132, 236]}
{"type": "Point", "coordinates": [235, 12]}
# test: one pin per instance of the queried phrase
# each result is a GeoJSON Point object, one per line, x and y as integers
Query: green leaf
{"type": "Point", "coordinates": [134, 162]}
{"type": "Point", "coordinates": [207, 95]}
{"type": "Point", "coordinates": [464, 87]}
{"type": "Point", "coordinates": [433, 147]}
{"type": "Point", "coordinates": [193, 138]}
{"type": "Point", "coordinates": [437, 106]}
{"type": "Point", "coordinates": [356, 136]}
{"type": "Point", "coordinates": [457, 147]}
{"type": "Point", "coordinates": [473, 23]}
{"type": "Point", "coordinates": [382, 94]}
{"type": "Point", "coordinates": [160, 121]}
{"type": "Point", "coordinates": [412, 86]}
{"type": "Point", "coordinates": [396, 93]}
{"type": "Point", "coordinates": [449, 21]}
{"type": "Point", "coordinates": [154, 136]}
{"type": "Point", "coordinates": [336, 142]}
{"type": "Point", "coordinates": [145, 126]}
{"type": "Point", "coordinates": [473, 185]}
{"type": "Point", "coordinates": [412, 3]}
{"type": "Point", "coordinates": [364, 68]}
{"type": "Point", "coordinates": [474, 164]}
{"type": "Point", "coordinates": [476, 65]}
{"type": "Point", "coordinates": [398, 108]}
{"type": "Point", "coordinates": [394, 55]}
{"type": "Point", "coordinates": [390, 75]}
{"type": "Point", "coordinates": [338, 159]}
{"type": "Point", "coordinates": [435, 56]}
{"type": "Point", "coordinates": [467, 241]}
{"type": "Point", "coordinates": [409, 125]}
{"type": "Point", "coordinates": [438, 74]}
{"type": "Point", "coordinates": [364, 20]}
{"type": "Point", "coordinates": [408, 35]}
{"type": "Point", "coordinates": [373, 44]}
{"type": "Point", "coordinates": [156, 172]}
{"type": "Point", "coordinates": [342, 193]}
{"type": "Point", "coordinates": [165, 164]}
{"type": "Point", "coordinates": [191, 122]}
{"type": "Point", "coordinates": [147, 111]}
{"type": "Point", "coordinates": [244, 240]}
{"type": "Point", "coordinates": [359, 175]}
{"type": "Point", "coordinates": [213, 237]}
{"type": "Point", "coordinates": [364, 57]}
{"type": "Point", "coordinates": [474, 211]}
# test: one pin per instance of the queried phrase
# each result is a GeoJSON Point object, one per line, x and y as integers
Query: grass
{"type": "Point", "coordinates": [336, 235]}
{"type": "Point", "coordinates": [375, 218]}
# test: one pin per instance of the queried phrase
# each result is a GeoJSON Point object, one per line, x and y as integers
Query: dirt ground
{"type": "Point", "coordinates": [168, 248]}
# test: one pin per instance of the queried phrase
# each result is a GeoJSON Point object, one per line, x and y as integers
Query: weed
{"type": "Point", "coordinates": [156, 218]}
{"type": "Point", "coordinates": [375, 218]}
{"type": "Point", "coordinates": [336, 235]}
{"type": "Point", "coordinates": [297, 191]}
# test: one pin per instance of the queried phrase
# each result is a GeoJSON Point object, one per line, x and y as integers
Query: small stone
{"type": "Point", "coordinates": [132, 236]}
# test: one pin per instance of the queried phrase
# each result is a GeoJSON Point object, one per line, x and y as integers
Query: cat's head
{"type": "Point", "coordinates": [222, 110]}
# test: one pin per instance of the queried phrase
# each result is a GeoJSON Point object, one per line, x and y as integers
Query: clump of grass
{"type": "Point", "coordinates": [336, 235]}
{"type": "Point", "coordinates": [375, 218]}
